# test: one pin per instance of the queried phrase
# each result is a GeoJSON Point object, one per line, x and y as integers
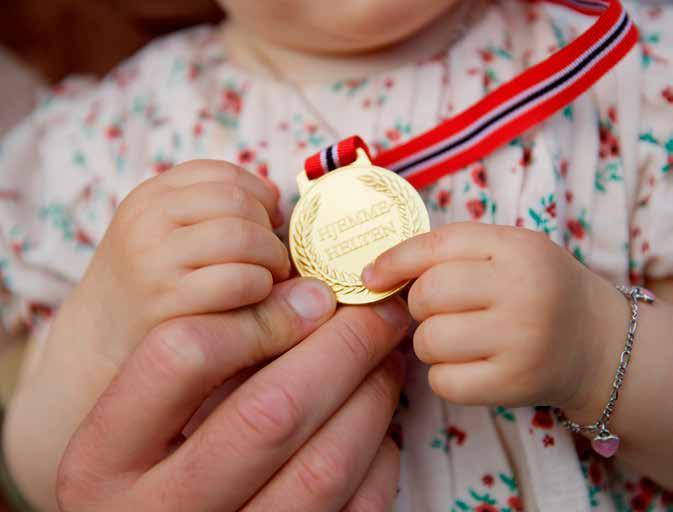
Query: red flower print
{"type": "Point", "coordinates": [9, 194]}
{"type": "Point", "coordinates": [629, 486]}
{"type": "Point", "coordinates": [37, 309]}
{"type": "Point", "coordinates": [612, 114]}
{"type": "Point", "coordinates": [488, 480]}
{"type": "Point", "coordinates": [486, 55]}
{"type": "Point", "coordinates": [548, 441]}
{"type": "Point", "coordinates": [532, 16]}
{"type": "Point", "coordinates": [198, 130]}
{"type": "Point", "coordinates": [457, 434]}
{"type": "Point", "coordinates": [569, 196]}
{"type": "Point", "coordinates": [263, 170]}
{"type": "Point", "coordinates": [576, 228]}
{"type": "Point", "coordinates": [609, 143]}
{"type": "Point", "coordinates": [563, 167]}
{"type": "Point", "coordinates": [635, 277]}
{"type": "Point", "coordinates": [113, 132]}
{"type": "Point", "coordinates": [488, 80]}
{"type": "Point", "coordinates": [393, 134]}
{"type": "Point", "coordinates": [551, 209]}
{"type": "Point", "coordinates": [232, 101]}
{"type": "Point", "coordinates": [245, 156]}
{"type": "Point", "coordinates": [311, 128]}
{"type": "Point", "coordinates": [519, 222]}
{"type": "Point", "coordinates": [194, 71]}
{"type": "Point", "coordinates": [484, 507]}
{"type": "Point", "coordinates": [476, 208]}
{"type": "Point", "coordinates": [515, 503]}
{"type": "Point", "coordinates": [543, 418]}
{"type": "Point", "coordinates": [668, 94]}
{"type": "Point", "coordinates": [83, 238]}
{"type": "Point", "coordinates": [444, 198]}
{"type": "Point", "coordinates": [595, 473]}
{"type": "Point", "coordinates": [283, 126]}
{"type": "Point", "coordinates": [527, 157]}
{"type": "Point", "coordinates": [479, 176]}
{"type": "Point", "coordinates": [388, 83]}
{"type": "Point", "coordinates": [645, 247]}
{"type": "Point", "coordinates": [162, 166]}
{"type": "Point", "coordinates": [641, 502]}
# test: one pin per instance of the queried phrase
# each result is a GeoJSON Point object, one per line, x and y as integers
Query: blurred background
{"type": "Point", "coordinates": [41, 41]}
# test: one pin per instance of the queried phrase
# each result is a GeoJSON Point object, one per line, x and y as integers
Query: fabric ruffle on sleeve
{"type": "Point", "coordinates": [60, 173]}
{"type": "Point", "coordinates": [652, 222]}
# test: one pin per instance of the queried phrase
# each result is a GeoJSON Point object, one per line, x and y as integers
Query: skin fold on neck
{"type": "Point", "coordinates": [271, 60]}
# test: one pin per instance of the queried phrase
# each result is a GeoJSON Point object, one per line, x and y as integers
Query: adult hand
{"type": "Point", "coordinates": [307, 432]}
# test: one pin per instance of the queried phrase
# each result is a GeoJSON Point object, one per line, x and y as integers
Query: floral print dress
{"type": "Point", "coordinates": [597, 178]}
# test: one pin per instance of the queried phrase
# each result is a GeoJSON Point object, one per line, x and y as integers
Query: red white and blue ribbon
{"type": "Point", "coordinates": [508, 111]}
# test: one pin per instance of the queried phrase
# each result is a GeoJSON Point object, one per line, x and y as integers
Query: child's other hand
{"type": "Point", "coordinates": [196, 239]}
{"type": "Point", "coordinates": [506, 316]}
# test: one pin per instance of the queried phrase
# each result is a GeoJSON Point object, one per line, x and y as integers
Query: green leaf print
{"type": "Point", "coordinates": [462, 505]}
{"type": "Point", "coordinates": [648, 137]}
{"type": "Point", "coordinates": [504, 412]}
{"type": "Point", "coordinates": [510, 482]}
{"type": "Point", "coordinates": [482, 498]}
{"type": "Point", "coordinates": [569, 113]}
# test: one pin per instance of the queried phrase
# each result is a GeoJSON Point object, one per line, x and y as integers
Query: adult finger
{"type": "Point", "coordinates": [328, 470]}
{"type": "Point", "coordinates": [379, 489]}
{"type": "Point", "coordinates": [255, 431]}
{"type": "Point", "coordinates": [457, 337]}
{"type": "Point", "coordinates": [452, 287]}
{"type": "Point", "coordinates": [228, 240]}
{"type": "Point", "coordinates": [408, 260]}
{"type": "Point", "coordinates": [210, 200]}
{"type": "Point", "coordinates": [179, 364]}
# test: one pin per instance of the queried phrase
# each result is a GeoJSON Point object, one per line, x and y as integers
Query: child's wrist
{"type": "Point", "coordinates": [603, 345]}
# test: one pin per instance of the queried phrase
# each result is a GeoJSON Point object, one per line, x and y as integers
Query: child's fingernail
{"type": "Point", "coordinates": [368, 274]}
{"type": "Point", "coordinates": [311, 299]}
{"type": "Point", "coordinates": [394, 313]}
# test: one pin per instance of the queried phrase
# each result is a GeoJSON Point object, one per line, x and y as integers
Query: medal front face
{"type": "Point", "coordinates": [346, 219]}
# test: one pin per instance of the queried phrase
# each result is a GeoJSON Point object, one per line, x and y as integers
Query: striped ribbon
{"type": "Point", "coordinates": [508, 111]}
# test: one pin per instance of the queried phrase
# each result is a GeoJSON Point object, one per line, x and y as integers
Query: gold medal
{"type": "Point", "coordinates": [347, 218]}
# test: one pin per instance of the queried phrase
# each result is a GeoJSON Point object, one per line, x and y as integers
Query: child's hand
{"type": "Point", "coordinates": [196, 239]}
{"type": "Point", "coordinates": [506, 316]}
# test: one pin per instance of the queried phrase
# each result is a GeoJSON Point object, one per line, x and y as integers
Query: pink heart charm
{"type": "Point", "coordinates": [606, 445]}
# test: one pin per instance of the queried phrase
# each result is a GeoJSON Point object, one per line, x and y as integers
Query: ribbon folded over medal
{"type": "Point", "coordinates": [351, 209]}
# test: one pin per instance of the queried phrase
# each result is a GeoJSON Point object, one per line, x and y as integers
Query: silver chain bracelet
{"type": "Point", "coordinates": [605, 442]}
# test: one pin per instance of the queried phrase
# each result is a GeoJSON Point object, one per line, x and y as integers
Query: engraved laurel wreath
{"type": "Point", "coordinates": [347, 283]}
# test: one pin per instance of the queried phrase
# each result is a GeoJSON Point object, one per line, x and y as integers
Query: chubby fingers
{"type": "Point", "coordinates": [204, 171]}
{"type": "Point", "coordinates": [228, 240]}
{"type": "Point", "coordinates": [408, 260]}
{"type": "Point", "coordinates": [453, 287]}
